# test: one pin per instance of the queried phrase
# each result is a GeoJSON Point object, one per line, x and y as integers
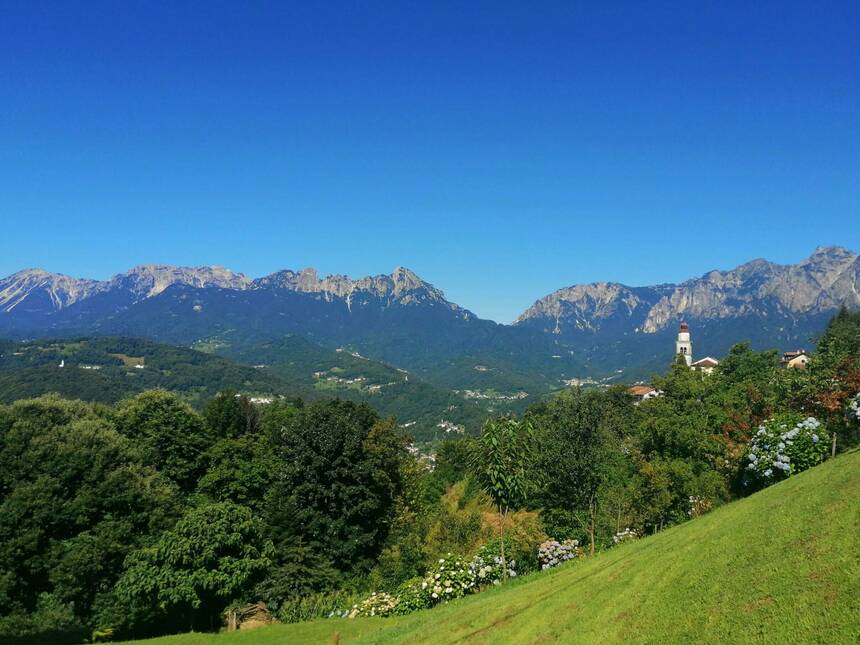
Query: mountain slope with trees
{"type": "Point", "coordinates": [150, 517]}
{"type": "Point", "coordinates": [778, 566]}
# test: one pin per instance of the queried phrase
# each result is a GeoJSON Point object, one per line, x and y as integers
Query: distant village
{"type": "Point", "coordinates": [796, 359]}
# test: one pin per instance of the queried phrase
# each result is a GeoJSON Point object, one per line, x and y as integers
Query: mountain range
{"type": "Point", "coordinates": [599, 330]}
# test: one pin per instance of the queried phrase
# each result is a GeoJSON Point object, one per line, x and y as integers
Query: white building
{"type": "Point", "coordinates": [683, 345]}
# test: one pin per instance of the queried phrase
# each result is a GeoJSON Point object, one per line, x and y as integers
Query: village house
{"type": "Point", "coordinates": [705, 365]}
{"type": "Point", "coordinates": [643, 392]}
{"type": "Point", "coordinates": [798, 359]}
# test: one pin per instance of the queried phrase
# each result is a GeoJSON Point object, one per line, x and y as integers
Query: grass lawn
{"type": "Point", "coordinates": [778, 567]}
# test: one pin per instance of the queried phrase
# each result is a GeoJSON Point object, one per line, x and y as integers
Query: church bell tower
{"type": "Point", "coordinates": [683, 345]}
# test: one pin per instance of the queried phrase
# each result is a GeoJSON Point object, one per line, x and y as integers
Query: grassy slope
{"type": "Point", "coordinates": [780, 566]}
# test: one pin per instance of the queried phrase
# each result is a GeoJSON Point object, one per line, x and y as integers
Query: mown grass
{"type": "Point", "coordinates": [779, 566]}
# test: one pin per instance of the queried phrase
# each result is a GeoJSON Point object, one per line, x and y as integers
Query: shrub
{"type": "Point", "coordinates": [523, 533]}
{"type": "Point", "coordinates": [699, 506]}
{"type": "Point", "coordinates": [376, 604]}
{"type": "Point", "coordinates": [552, 552]}
{"type": "Point", "coordinates": [627, 535]}
{"type": "Point", "coordinates": [335, 604]}
{"type": "Point", "coordinates": [412, 597]}
{"type": "Point", "coordinates": [449, 578]}
{"type": "Point", "coordinates": [853, 411]}
{"type": "Point", "coordinates": [783, 446]}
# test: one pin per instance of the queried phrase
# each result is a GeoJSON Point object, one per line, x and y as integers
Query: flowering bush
{"type": "Point", "coordinates": [412, 597]}
{"type": "Point", "coordinates": [376, 604]}
{"type": "Point", "coordinates": [853, 411]}
{"type": "Point", "coordinates": [627, 535]}
{"type": "Point", "coordinates": [782, 446]}
{"type": "Point", "coordinates": [552, 552]}
{"type": "Point", "coordinates": [451, 577]}
{"type": "Point", "coordinates": [699, 506]}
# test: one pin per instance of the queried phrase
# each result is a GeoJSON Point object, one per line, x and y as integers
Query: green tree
{"type": "Point", "coordinates": [834, 376]}
{"type": "Point", "coordinates": [240, 470]}
{"type": "Point", "coordinates": [212, 557]}
{"type": "Point", "coordinates": [231, 415]}
{"type": "Point", "coordinates": [503, 455]}
{"type": "Point", "coordinates": [573, 461]}
{"type": "Point", "coordinates": [173, 436]}
{"type": "Point", "coordinates": [75, 499]}
{"type": "Point", "coordinates": [338, 481]}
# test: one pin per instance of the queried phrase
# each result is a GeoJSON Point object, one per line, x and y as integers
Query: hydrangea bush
{"type": "Point", "coordinates": [449, 578]}
{"type": "Point", "coordinates": [698, 506]}
{"type": "Point", "coordinates": [376, 604]}
{"type": "Point", "coordinates": [784, 446]}
{"type": "Point", "coordinates": [627, 535]}
{"type": "Point", "coordinates": [552, 552]}
{"type": "Point", "coordinates": [853, 411]}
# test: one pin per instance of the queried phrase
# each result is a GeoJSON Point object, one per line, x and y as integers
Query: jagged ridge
{"type": "Point", "coordinates": [823, 282]}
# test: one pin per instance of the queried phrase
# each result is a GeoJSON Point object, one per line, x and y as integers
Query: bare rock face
{"type": "Point", "coordinates": [402, 287]}
{"type": "Point", "coordinates": [585, 306]}
{"type": "Point", "coordinates": [53, 290]}
{"type": "Point", "coordinates": [823, 282]}
{"type": "Point", "coordinates": [151, 279]}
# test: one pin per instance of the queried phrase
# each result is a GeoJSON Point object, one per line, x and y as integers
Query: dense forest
{"type": "Point", "coordinates": [150, 516]}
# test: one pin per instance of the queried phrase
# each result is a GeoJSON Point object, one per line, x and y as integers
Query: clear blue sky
{"type": "Point", "coordinates": [500, 150]}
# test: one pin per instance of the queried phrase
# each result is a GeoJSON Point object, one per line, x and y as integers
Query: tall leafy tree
{"type": "Point", "coordinates": [172, 435]}
{"type": "Point", "coordinates": [75, 499]}
{"type": "Point", "coordinates": [231, 415]}
{"type": "Point", "coordinates": [214, 555]}
{"type": "Point", "coordinates": [240, 470]}
{"type": "Point", "coordinates": [338, 481]}
{"type": "Point", "coordinates": [573, 461]}
{"type": "Point", "coordinates": [503, 455]}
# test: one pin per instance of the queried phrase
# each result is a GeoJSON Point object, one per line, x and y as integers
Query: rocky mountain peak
{"type": "Point", "coordinates": [402, 286]}
{"type": "Point", "coordinates": [59, 290]}
{"type": "Point", "coordinates": [836, 253]}
{"type": "Point", "coordinates": [149, 280]}
{"type": "Point", "coordinates": [822, 282]}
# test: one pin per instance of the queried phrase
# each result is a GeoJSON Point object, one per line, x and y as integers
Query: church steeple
{"type": "Point", "coordinates": [683, 345]}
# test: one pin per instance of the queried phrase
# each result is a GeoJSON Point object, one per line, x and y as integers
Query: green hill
{"type": "Point", "coordinates": [315, 371]}
{"type": "Point", "coordinates": [105, 370]}
{"type": "Point", "coordinates": [779, 566]}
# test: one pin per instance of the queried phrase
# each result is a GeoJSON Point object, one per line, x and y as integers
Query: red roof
{"type": "Point", "coordinates": [640, 390]}
{"type": "Point", "coordinates": [684, 327]}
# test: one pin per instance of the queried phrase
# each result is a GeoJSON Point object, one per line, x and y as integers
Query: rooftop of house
{"type": "Point", "coordinates": [640, 390]}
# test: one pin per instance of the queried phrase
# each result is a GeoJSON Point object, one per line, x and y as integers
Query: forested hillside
{"type": "Point", "coordinates": [105, 370]}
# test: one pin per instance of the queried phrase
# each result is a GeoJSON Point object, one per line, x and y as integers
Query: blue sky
{"type": "Point", "coordinates": [500, 150]}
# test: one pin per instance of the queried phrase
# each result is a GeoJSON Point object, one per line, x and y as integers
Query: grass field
{"type": "Point", "coordinates": [778, 567]}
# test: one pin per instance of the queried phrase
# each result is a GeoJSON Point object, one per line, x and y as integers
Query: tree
{"type": "Point", "coordinates": [230, 415]}
{"type": "Point", "coordinates": [173, 436]}
{"type": "Point", "coordinates": [75, 499]}
{"type": "Point", "coordinates": [573, 460]}
{"type": "Point", "coordinates": [214, 555]}
{"type": "Point", "coordinates": [834, 375]}
{"type": "Point", "coordinates": [503, 455]}
{"type": "Point", "coordinates": [338, 481]}
{"type": "Point", "coordinates": [240, 470]}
